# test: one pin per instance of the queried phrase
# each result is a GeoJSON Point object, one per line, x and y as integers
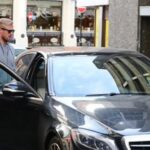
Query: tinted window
{"type": "Point", "coordinates": [87, 75]}
{"type": "Point", "coordinates": [38, 78]}
{"type": "Point", "coordinates": [23, 63]}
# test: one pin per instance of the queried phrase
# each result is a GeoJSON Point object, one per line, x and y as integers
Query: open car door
{"type": "Point", "coordinates": [20, 107]}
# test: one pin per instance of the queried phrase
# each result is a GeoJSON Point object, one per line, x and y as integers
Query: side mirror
{"type": "Point", "coordinates": [14, 88]}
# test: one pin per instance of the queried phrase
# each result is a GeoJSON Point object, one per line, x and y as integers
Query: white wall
{"type": "Point", "coordinates": [99, 20]}
{"type": "Point", "coordinates": [92, 2]}
{"type": "Point", "coordinates": [20, 24]}
{"type": "Point", "coordinates": [68, 15]}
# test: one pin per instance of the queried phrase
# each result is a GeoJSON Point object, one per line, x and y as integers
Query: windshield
{"type": "Point", "coordinates": [88, 75]}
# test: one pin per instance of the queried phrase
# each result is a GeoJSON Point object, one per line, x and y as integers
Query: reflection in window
{"type": "Point", "coordinates": [75, 81]}
{"type": "Point", "coordinates": [44, 15]}
{"type": "Point", "coordinates": [87, 20]}
{"type": "Point", "coordinates": [23, 64]}
{"type": "Point", "coordinates": [131, 73]}
{"type": "Point", "coordinates": [38, 79]}
{"type": "Point", "coordinates": [100, 74]}
{"type": "Point", "coordinates": [84, 27]}
{"type": "Point", "coordinates": [6, 9]}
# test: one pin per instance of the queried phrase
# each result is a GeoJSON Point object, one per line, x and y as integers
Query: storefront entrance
{"type": "Point", "coordinates": [145, 36]}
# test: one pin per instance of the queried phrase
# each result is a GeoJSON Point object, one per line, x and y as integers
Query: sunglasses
{"type": "Point", "coordinates": [9, 31]}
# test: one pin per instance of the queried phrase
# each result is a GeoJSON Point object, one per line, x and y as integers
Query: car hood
{"type": "Point", "coordinates": [125, 114]}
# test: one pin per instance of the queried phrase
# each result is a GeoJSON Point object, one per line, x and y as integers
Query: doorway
{"type": "Point", "coordinates": [145, 36]}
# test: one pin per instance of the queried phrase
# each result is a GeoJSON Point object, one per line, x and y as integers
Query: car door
{"type": "Point", "coordinates": [20, 107]}
{"type": "Point", "coordinates": [23, 63]}
{"type": "Point", "coordinates": [34, 72]}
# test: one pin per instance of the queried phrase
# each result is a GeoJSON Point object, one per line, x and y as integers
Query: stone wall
{"type": "Point", "coordinates": [123, 24]}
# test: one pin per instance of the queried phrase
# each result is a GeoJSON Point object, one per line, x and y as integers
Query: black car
{"type": "Point", "coordinates": [76, 99]}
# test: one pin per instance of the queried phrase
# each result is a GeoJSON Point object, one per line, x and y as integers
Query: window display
{"type": "Point", "coordinates": [6, 9]}
{"type": "Point", "coordinates": [84, 27]}
{"type": "Point", "coordinates": [44, 17]}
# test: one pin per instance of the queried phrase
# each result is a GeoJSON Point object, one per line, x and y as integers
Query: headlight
{"type": "Point", "coordinates": [93, 140]}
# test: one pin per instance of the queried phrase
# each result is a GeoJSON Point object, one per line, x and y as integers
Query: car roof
{"type": "Point", "coordinates": [80, 50]}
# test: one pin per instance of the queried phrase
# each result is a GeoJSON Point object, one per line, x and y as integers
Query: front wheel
{"type": "Point", "coordinates": [54, 144]}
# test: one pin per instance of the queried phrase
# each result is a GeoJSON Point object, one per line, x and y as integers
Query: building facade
{"type": "Point", "coordinates": [117, 23]}
{"type": "Point", "coordinates": [130, 25]}
{"type": "Point", "coordinates": [56, 23]}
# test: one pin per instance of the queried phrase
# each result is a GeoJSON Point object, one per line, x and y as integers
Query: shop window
{"type": "Point", "coordinates": [44, 15]}
{"type": "Point", "coordinates": [44, 21]}
{"type": "Point", "coordinates": [85, 27]}
{"type": "Point", "coordinates": [6, 8]}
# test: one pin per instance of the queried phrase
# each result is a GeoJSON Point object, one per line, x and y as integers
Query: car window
{"type": "Point", "coordinates": [82, 75]}
{"type": "Point", "coordinates": [38, 77]}
{"type": "Point", "coordinates": [10, 79]}
{"type": "Point", "coordinates": [23, 63]}
{"type": "Point", "coordinates": [19, 51]}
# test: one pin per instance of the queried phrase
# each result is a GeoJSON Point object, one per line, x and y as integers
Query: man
{"type": "Point", "coordinates": [7, 55]}
{"type": "Point", "coordinates": [6, 50]}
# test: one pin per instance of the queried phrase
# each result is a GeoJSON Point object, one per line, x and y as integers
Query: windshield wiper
{"type": "Point", "coordinates": [113, 94]}
{"type": "Point", "coordinates": [105, 94]}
